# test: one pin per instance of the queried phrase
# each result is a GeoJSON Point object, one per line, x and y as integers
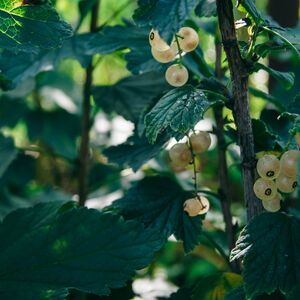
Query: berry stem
{"type": "Point", "coordinates": [193, 162]}
{"type": "Point", "coordinates": [179, 48]}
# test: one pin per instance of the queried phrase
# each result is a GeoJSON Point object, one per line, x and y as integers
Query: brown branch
{"type": "Point", "coordinates": [239, 76]}
{"type": "Point", "coordinates": [222, 163]}
{"type": "Point", "coordinates": [85, 125]}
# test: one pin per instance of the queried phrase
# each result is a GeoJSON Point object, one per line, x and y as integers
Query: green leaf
{"type": "Point", "coordinates": [181, 294]}
{"type": "Point", "coordinates": [158, 203]}
{"type": "Point", "coordinates": [18, 67]}
{"type": "Point", "coordinates": [286, 79]}
{"type": "Point", "coordinates": [135, 152]}
{"type": "Point", "coordinates": [248, 6]}
{"type": "Point", "coordinates": [46, 125]}
{"type": "Point", "coordinates": [166, 16]}
{"type": "Point", "coordinates": [236, 294]}
{"type": "Point", "coordinates": [11, 111]}
{"type": "Point", "coordinates": [264, 139]}
{"type": "Point", "coordinates": [131, 95]}
{"type": "Point", "coordinates": [270, 248]}
{"type": "Point", "coordinates": [180, 109]}
{"type": "Point", "coordinates": [206, 8]}
{"type": "Point", "coordinates": [260, 94]}
{"type": "Point", "coordinates": [30, 28]}
{"type": "Point", "coordinates": [52, 248]}
{"type": "Point", "coordinates": [7, 153]}
{"type": "Point", "coordinates": [216, 286]}
{"type": "Point", "coordinates": [118, 37]}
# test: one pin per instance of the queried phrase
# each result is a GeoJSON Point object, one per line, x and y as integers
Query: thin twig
{"type": "Point", "coordinates": [84, 145]}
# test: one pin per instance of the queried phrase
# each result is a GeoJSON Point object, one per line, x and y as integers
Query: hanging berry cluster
{"type": "Point", "coordinates": [183, 154]}
{"type": "Point", "coordinates": [276, 177]}
{"type": "Point", "coordinates": [186, 40]}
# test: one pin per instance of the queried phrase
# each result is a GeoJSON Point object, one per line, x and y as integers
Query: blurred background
{"type": "Point", "coordinates": [42, 114]}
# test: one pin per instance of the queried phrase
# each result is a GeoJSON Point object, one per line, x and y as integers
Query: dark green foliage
{"type": "Point", "coordinates": [90, 251]}
{"type": "Point", "coordinates": [18, 67]}
{"type": "Point", "coordinates": [135, 152]}
{"type": "Point", "coordinates": [271, 253]}
{"type": "Point", "coordinates": [158, 203]}
{"type": "Point", "coordinates": [166, 16]}
{"type": "Point", "coordinates": [11, 110]}
{"type": "Point", "coordinates": [31, 28]}
{"type": "Point", "coordinates": [7, 153]}
{"type": "Point", "coordinates": [206, 8]}
{"type": "Point", "coordinates": [45, 125]}
{"type": "Point", "coordinates": [180, 109]}
{"type": "Point", "coordinates": [236, 294]}
{"type": "Point", "coordinates": [131, 95]}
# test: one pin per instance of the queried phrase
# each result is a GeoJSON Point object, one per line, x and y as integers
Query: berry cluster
{"type": "Point", "coordinates": [183, 154]}
{"type": "Point", "coordinates": [283, 171]}
{"type": "Point", "coordinates": [186, 40]}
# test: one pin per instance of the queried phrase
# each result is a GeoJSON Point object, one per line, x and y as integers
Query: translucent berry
{"type": "Point", "coordinates": [164, 56]}
{"type": "Point", "coordinates": [200, 141]}
{"type": "Point", "coordinates": [157, 42]}
{"type": "Point", "coordinates": [264, 189]}
{"type": "Point", "coordinates": [180, 154]}
{"type": "Point", "coordinates": [177, 75]}
{"type": "Point", "coordinates": [289, 163]}
{"type": "Point", "coordinates": [297, 138]}
{"type": "Point", "coordinates": [286, 184]}
{"type": "Point", "coordinates": [268, 166]}
{"type": "Point", "coordinates": [189, 40]}
{"type": "Point", "coordinates": [272, 205]}
{"type": "Point", "coordinates": [195, 207]}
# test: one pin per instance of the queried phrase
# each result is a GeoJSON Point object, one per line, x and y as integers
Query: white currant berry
{"type": "Point", "coordinates": [272, 205]}
{"type": "Point", "coordinates": [188, 39]}
{"type": "Point", "coordinates": [268, 167]}
{"type": "Point", "coordinates": [195, 207]}
{"type": "Point", "coordinates": [180, 154]}
{"type": "Point", "coordinates": [157, 42]}
{"type": "Point", "coordinates": [200, 141]}
{"type": "Point", "coordinates": [297, 138]}
{"type": "Point", "coordinates": [177, 75]}
{"type": "Point", "coordinates": [264, 189]}
{"type": "Point", "coordinates": [164, 56]}
{"type": "Point", "coordinates": [289, 163]}
{"type": "Point", "coordinates": [286, 184]}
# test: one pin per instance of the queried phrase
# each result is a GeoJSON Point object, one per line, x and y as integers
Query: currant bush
{"type": "Point", "coordinates": [200, 141]}
{"type": "Point", "coordinates": [272, 205]}
{"type": "Point", "coordinates": [164, 56]}
{"type": "Point", "coordinates": [177, 75]}
{"type": "Point", "coordinates": [195, 206]}
{"type": "Point", "coordinates": [289, 163]}
{"type": "Point", "coordinates": [265, 189]}
{"type": "Point", "coordinates": [180, 154]}
{"type": "Point", "coordinates": [286, 184]}
{"type": "Point", "coordinates": [157, 42]}
{"type": "Point", "coordinates": [268, 166]}
{"type": "Point", "coordinates": [188, 39]}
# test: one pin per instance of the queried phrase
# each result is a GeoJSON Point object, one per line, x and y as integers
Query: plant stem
{"type": "Point", "coordinates": [179, 48]}
{"type": "Point", "coordinates": [239, 76]}
{"type": "Point", "coordinates": [222, 163]}
{"type": "Point", "coordinates": [85, 125]}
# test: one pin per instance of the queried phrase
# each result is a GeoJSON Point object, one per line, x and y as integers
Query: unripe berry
{"type": "Point", "coordinates": [190, 39]}
{"type": "Point", "coordinates": [164, 56]}
{"type": "Point", "coordinates": [180, 154]}
{"type": "Point", "coordinates": [272, 205]}
{"type": "Point", "coordinates": [200, 141]}
{"type": "Point", "coordinates": [157, 42]}
{"type": "Point", "coordinates": [289, 163]}
{"type": "Point", "coordinates": [264, 189]}
{"type": "Point", "coordinates": [177, 75]}
{"type": "Point", "coordinates": [268, 166]}
{"type": "Point", "coordinates": [297, 138]}
{"type": "Point", "coordinates": [194, 207]}
{"type": "Point", "coordinates": [286, 184]}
